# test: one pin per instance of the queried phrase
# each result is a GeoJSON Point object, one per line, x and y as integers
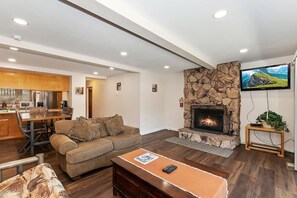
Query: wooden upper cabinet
{"type": "Point", "coordinates": [15, 79]}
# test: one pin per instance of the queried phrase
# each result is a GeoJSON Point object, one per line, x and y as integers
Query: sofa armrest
{"type": "Point", "coordinates": [131, 130]}
{"type": "Point", "coordinates": [62, 143]}
{"type": "Point", "coordinates": [64, 126]}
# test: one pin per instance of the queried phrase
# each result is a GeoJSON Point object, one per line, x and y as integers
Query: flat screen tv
{"type": "Point", "coordinates": [263, 78]}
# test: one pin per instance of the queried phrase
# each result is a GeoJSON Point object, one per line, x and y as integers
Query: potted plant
{"type": "Point", "coordinates": [273, 120]}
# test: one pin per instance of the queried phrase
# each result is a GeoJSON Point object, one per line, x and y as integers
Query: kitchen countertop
{"type": "Point", "coordinates": [7, 111]}
{"type": "Point", "coordinates": [23, 111]}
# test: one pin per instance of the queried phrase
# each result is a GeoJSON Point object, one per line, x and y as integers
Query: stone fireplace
{"type": "Point", "coordinates": [212, 105]}
{"type": "Point", "coordinates": [209, 118]}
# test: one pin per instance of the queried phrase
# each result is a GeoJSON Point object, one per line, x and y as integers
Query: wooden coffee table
{"type": "Point", "coordinates": [131, 181]}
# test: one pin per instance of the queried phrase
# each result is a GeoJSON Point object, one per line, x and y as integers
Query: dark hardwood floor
{"type": "Point", "coordinates": [251, 173]}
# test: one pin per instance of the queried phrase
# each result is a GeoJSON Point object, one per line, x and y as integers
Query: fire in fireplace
{"type": "Point", "coordinates": [213, 119]}
{"type": "Point", "coordinates": [208, 122]}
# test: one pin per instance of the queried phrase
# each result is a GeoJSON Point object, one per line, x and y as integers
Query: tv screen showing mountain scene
{"type": "Point", "coordinates": [269, 77]}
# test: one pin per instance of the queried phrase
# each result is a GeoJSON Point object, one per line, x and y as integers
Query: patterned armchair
{"type": "Point", "coordinates": [39, 181]}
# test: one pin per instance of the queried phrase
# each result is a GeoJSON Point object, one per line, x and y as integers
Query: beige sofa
{"type": "Point", "coordinates": [77, 157]}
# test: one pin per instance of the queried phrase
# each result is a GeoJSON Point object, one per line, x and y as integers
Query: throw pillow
{"type": "Point", "coordinates": [103, 129]}
{"type": "Point", "coordinates": [84, 130]}
{"type": "Point", "coordinates": [96, 127]}
{"type": "Point", "coordinates": [114, 125]}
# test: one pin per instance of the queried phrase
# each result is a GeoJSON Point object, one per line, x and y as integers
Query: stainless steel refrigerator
{"type": "Point", "coordinates": [45, 98]}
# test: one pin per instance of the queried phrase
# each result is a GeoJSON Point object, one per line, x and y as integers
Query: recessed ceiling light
{"type": "Point", "coordinates": [20, 21]}
{"type": "Point", "coordinates": [243, 50]}
{"type": "Point", "coordinates": [111, 68]}
{"type": "Point", "coordinates": [220, 14]}
{"type": "Point", "coordinates": [95, 73]}
{"type": "Point", "coordinates": [14, 48]}
{"type": "Point", "coordinates": [124, 53]}
{"type": "Point", "coordinates": [11, 60]}
{"type": "Point", "coordinates": [166, 66]}
{"type": "Point", "coordinates": [17, 37]}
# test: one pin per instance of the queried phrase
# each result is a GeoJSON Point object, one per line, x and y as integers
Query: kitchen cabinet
{"type": "Point", "coordinates": [4, 122]}
{"type": "Point", "coordinates": [9, 128]}
{"type": "Point", "coordinates": [16, 79]}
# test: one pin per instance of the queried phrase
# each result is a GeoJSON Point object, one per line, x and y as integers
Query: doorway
{"type": "Point", "coordinates": [94, 91]}
{"type": "Point", "coordinates": [90, 101]}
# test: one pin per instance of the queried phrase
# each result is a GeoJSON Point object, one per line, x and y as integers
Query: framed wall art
{"type": "Point", "coordinates": [79, 90]}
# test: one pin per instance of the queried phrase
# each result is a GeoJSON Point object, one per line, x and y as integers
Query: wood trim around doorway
{"type": "Point", "coordinates": [90, 102]}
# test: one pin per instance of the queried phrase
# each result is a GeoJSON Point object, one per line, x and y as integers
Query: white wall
{"type": "Point", "coordinates": [136, 102]}
{"type": "Point", "coordinates": [152, 105]}
{"type": "Point", "coordinates": [65, 95]}
{"type": "Point", "coordinates": [174, 90]}
{"type": "Point", "coordinates": [151, 111]}
{"type": "Point", "coordinates": [107, 101]}
{"type": "Point", "coordinates": [77, 101]}
{"type": "Point", "coordinates": [280, 101]}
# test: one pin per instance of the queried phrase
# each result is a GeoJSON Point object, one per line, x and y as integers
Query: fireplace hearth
{"type": "Point", "coordinates": [210, 118]}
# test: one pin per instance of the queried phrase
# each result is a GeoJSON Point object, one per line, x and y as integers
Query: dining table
{"type": "Point", "coordinates": [35, 117]}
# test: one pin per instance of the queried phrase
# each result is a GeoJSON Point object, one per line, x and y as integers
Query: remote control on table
{"type": "Point", "coordinates": [169, 169]}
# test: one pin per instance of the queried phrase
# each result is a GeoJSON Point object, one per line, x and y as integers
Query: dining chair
{"type": "Point", "coordinates": [41, 125]}
{"type": "Point", "coordinates": [65, 110]}
{"type": "Point", "coordinates": [25, 145]}
{"type": "Point", "coordinates": [68, 111]}
{"type": "Point", "coordinates": [37, 110]}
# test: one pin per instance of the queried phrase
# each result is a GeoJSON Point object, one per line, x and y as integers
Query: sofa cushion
{"type": "Point", "coordinates": [124, 141]}
{"type": "Point", "coordinates": [114, 125]}
{"type": "Point", "coordinates": [84, 130]}
{"type": "Point", "coordinates": [89, 150]}
{"type": "Point", "coordinates": [103, 129]}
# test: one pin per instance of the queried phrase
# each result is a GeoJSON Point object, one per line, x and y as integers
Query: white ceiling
{"type": "Point", "coordinates": [37, 60]}
{"type": "Point", "coordinates": [57, 25]}
{"type": "Point", "coordinates": [267, 28]}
